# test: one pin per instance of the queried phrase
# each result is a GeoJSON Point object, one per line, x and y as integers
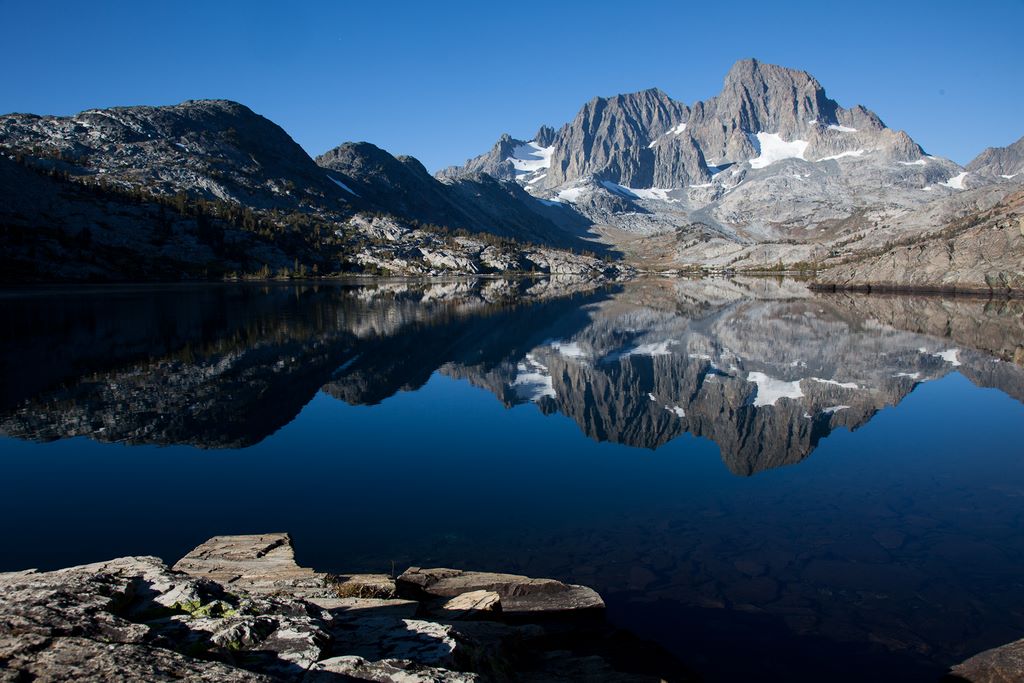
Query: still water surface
{"type": "Point", "coordinates": [769, 483]}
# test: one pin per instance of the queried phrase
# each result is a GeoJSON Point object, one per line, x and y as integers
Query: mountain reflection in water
{"type": "Point", "coordinates": [495, 425]}
{"type": "Point", "coordinates": [765, 370]}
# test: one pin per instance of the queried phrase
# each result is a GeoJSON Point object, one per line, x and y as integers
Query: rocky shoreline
{"type": "Point", "coordinates": [239, 608]}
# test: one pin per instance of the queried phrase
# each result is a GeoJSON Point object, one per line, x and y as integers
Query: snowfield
{"type": "Point", "coordinates": [773, 148]}
{"type": "Point", "coordinates": [956, 182]}
{"type": "Point", "coordinates": [530, 158]}
{"type": "Point", "coordinates": [659, 193]}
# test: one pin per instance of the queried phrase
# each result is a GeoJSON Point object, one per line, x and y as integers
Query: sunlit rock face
{"type": "Point", "coordinates": [770, 169]}
{"type": "Point", "coordinates": [764, 368]}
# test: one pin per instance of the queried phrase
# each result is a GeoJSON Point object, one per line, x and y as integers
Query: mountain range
{"type": "Point", "coordinates": [769, 170]}
{"type": "Point", "coordinates": [769, 174]}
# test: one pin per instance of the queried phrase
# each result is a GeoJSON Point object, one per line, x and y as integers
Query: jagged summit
{"type": "Point", "coordinates": [646, 139]}
{"type": "Point", "coordinates": [545, 136]}
{"type": "Point", "coordinates": [768, 158]}
{"type": "Point", "coordinates": [611, 138]}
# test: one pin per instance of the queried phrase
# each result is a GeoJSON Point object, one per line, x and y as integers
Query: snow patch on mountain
{"type": "Point", "coordinates": [852, 153]}
{"type": "Point", "coordinates": [530, 158]}
{"type": "Point", "coordinates": [342, 185]}
{"type": "Point", "coordinates": [956, 182]}
{"type": "Point", "coordinates": [773, 148]}
{"type": "Point", "coordinates": [571, 194]}
{"type": "Point", "coordinates": [675, 130]}
{"type": "Point", "coordinates": [658, 193]}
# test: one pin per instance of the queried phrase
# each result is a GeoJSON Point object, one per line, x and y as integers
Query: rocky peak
{"type": "Point", "coordinates": [1003, 162]}
{"type": "Point", "coordinates": [497, 162]}
{"type": "Point", "coordinates": [760, 98]}
{"type": "Point", "coordinates": [775, 95]}
{"type": "Point", "coordinates": [611, 137]}
{"type": "Point", "coordinates": [545, 136]}
{"type": "Point", "coordinates": [358, 155]}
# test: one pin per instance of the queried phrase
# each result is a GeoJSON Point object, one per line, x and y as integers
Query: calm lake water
{"type": "Point", "coordinates": [771, 484]}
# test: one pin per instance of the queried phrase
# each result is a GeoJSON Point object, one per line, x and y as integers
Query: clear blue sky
{"type": "Point", "coordinates": [441, 80]}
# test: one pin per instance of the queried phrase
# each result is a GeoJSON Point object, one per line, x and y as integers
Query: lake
{"type": "Point", "coordinates": [768, 482]}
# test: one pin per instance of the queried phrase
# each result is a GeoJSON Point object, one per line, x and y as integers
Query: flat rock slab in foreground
{"type": "Point", "coordinates": [257, 563]}
{"type": "Point", "coordinates": [520, 595]}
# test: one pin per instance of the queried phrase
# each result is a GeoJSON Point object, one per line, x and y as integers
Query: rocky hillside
{"type": "Point", "coordinates": [477, 203]}
{"type": "Point", "coordinates": [211, 149]}
{"type": "Point", "coordinates": [769, 174]}
{"type": "Point", "coordinates": [980, 252]}
{"type": "Point", "coordinates": [238, 608]}
{"type": "Point", "coordinates": [209, 189]}
{"type": "Point", "coordinates": [769, 170]}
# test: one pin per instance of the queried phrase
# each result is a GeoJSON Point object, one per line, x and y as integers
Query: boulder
{"type": "Point", "coordinates": [520, 595]}
{"type": "Point", "coordinates": [262, 564]}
